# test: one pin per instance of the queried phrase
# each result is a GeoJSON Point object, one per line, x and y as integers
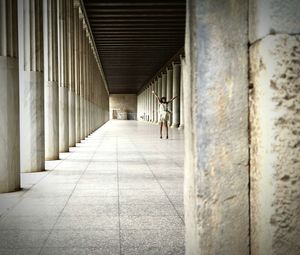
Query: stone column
{"type": "Point", "coordinates": [71, 73]}
{"type": "Point", "coordinates": [164, 84]}
{"type": "Point", "coordinates": [181, 125]}
{"type": "Point", "coordinates": [51, 82]}
{"type": "Point", "coordinates": [216, 128]}
{"type": "Point", "coordinates": [32, 87]}
{"type": "Point", "coordinates": [275, 127]}
{"type": "Point", "coordinates": [155, 101]}
{"type": "Point", "coordinates": [176, 92]}
{"type": "Point", "coordinates": [77, 71]}
{"type": "Point", "coordinates": [9, 98]}
{"type": "Point", "coordinates": [63, 64]}
{"type": "Point", "coordinates": [82, 84]}
{"type": "Point", "coordinates": [169, 91]}
{"type": "Point", "coordinates": [152, 102]}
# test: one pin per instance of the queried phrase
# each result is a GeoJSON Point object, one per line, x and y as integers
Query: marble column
{"type": "Point", "coordinates": [216, 128]}
{"type": "Point", "coordinates": [164, 84]}
{"type": "Point", "coordinates": [155, 101]}
{"type": "Point", "coordinates": [152, 101]}
{"type": "Point", "coordinates": [51, 82]}
{"type": "Point", "coordinates": [63, 78]}
{"type": "Point", "coordinates": [71, 73]}
{"type": "Point", "coordinates": [275, 127]}
{"type": "Point", "coordinates": [9, 98]}
{"type": "Point", "coordinates": [82, 65]}
{"type": "Point", "coordinates": [169, 91]}
{"type": "Point", "coordinates": [77, 71]}
{"type": "Point", "coordinates": [32, 87]}
{"type": "Point", "coordinates": [176, 92]}
{"type": "Point", "coordinates": [181, 125]}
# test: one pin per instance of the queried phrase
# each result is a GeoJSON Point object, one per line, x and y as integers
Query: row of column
{"type": "Point", "coordinates": [169, 84]}
{"type": "Point", "coordinates": [53, 95]}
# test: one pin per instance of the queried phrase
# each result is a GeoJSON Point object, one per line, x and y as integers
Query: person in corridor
{"type": "Point", "coordinates": [163, 112]}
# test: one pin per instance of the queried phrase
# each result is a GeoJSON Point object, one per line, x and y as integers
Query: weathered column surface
{"type": "Point", "coordinates": [275, 127]}
{"type": "Point", "coordinates": [51, 83]}
{"type": "Point", "coordinates": [176, 92]}
{"type": "Point", "coordinates": [182, 63]}
{"type": "Point", "coordinates": [63, 78]}
{"type": "Point", "coordinates": [32, 88]}
{"type": "Point", "coordinates": [77, 72]}
{"type": "Point", "coordinates": [163, 84]}
{"type": "Point", "coordinates": [216, 128]}
{"type": "Point", "coordinates": [170, 91]}
{"type": "Point", "coordinates": [9, 98]}
{"type": "Point", "coordinates": [155, 101]}
{"type": "Point", "coordinates": [71, 74]}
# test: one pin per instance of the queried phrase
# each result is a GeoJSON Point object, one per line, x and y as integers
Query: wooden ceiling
{"type": "Point", "coordinates": [135, 38]}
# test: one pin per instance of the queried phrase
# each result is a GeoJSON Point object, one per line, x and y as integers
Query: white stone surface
{"type": "Point", "coordinates": [117, 192]}
{"type": "Point", "coordinates": [72, 128]}
{"type": "Point", "coordinates": [176, 92]}
{"type": "Point", "coordinates": [9, 125]}
{"type": "Point", "coordinates": [51, 121]}
{"type": "Point", "coordinates": [63, 119]}
{"type": "Point", "coordinates": [32, 122]}
{"type": "Point", "coordinates": [275, 150]}
{"type": "Point", "coordinates": [273, 17]}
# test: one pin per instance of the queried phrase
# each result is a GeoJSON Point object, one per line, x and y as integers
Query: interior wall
{"type": "Point", "coordinates": [123, 103]}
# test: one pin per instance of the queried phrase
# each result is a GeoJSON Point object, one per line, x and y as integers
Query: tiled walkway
{"type": "Point", "coordinates": [118, 192]}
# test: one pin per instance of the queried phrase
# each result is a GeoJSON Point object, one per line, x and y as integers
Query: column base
{"type": "Point", "coordinates": [181, 127]}
{"type": "Point", "coordinates": [175, 126]}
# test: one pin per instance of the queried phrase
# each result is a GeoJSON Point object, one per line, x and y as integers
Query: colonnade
{"type": "Point", "coordinates": [53, 94]}
{"type": "Point", "coordinates": [169, 84]}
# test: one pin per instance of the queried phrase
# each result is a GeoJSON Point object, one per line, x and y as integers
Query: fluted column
{"type": "Point", "coordinates": [77, 71]}
{"type": "Point", "coordinates": [176, 92]}
{"type": "Point", "coordinates": [63, 78]}
{"type": "Point", "coordinates": [51, 82]}
{"type": "Point", "coordinates": [82, 64]}
{"type": "Point", "coordinates": [169, 91]}
{"type": "Point", "coordinates": [155, 101]}
{"type": "Point", "coordinates": [9, 98]}
{"type": "Point", "coordinates": [164, 84]}
{"type": "Point", "coordinates": [71, 74]}
{"type": "Point", "coordinates": [152, 101]}
{"type": "Point", "coordinates": [181, 125]}
{"type": "Point", "coordinates": [32, 87]}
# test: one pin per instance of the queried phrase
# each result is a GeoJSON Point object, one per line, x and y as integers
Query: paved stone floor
{"type": "Point", "coordinates": [118, 192]}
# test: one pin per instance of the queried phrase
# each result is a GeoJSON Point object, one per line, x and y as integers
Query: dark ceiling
{"type": "Point", "coordinates": [135, 38]}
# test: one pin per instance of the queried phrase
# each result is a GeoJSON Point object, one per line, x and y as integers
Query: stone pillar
{"type": "Point", "coordinates": [216, 128]}
{"type": "Point", "coordinates": [163, 84]}
{"type": "Point", "coordinates": [176, 92]}
{"type": "Point", "coordinates": [82, 84]}
{"type": "Point", "coordinates": [71, 73]}
{"type": "Point", "coordinates": [159, 86]}
{"type": "Point", "coordinates": [63, 64]}
{"type": "Point", "coordinates": [9, 98]}
{"type": "Point", "coordinates": [274, 124]}
{"type": "Point", "coordinates": [155, 101]}
{"type": "Point", "coordinates": [152, 102]}
{"type": "Point", "coordinates": [51, 82]}
{"type": "Point", "coordinates": [77, 71]}
{"type": "Point", "coordinates": [32, 87]}
{"type": "Point", "coordinates": [181, 125]}
{"type": "Point", "coordinates": [169, 91]}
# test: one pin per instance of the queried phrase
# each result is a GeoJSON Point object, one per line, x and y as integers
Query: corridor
{"type": "Point", "coordinates": [120, 191]}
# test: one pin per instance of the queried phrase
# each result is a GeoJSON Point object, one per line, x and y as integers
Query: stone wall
{"type": "Point", "coordinates": [123, 103]}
